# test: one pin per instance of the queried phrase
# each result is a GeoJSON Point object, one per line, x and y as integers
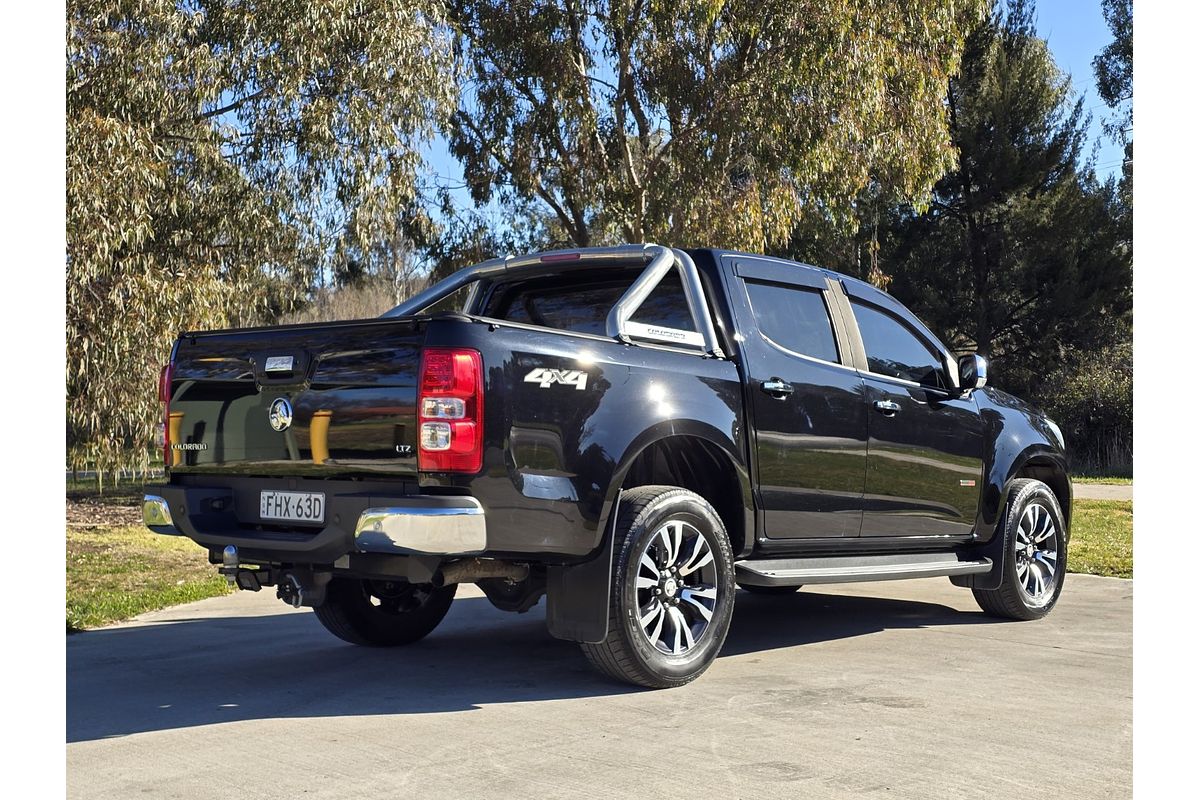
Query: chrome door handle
{"type": "Point", "coordinates": [887, 407]}
{"type": "Point", "coordinates": [777, 388]}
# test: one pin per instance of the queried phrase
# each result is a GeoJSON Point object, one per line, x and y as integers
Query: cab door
{"type": "Point", "coordinates": [925, 439]}
{"type": "Point", "coordinates": [805, 398]}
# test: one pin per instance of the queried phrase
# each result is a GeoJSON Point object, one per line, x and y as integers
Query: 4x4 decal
{"type": "Point", "coordinates": [545, 378]}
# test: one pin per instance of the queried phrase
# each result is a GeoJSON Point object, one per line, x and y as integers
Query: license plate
{"type": "Point", "coordinates": [292, 506]}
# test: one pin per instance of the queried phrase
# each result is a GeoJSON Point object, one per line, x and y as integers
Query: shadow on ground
{"type": "Point", "coordinates": [211, 670]}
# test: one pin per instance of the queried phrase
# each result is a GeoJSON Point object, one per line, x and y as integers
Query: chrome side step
{"type": "Point", "coordinates": [852, 569]}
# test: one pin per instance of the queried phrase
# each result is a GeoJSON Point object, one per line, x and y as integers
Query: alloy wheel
{"type": "Point", "coordinates": [1036, 554]}
{"type": "Point", "coordinates": [677, 588]}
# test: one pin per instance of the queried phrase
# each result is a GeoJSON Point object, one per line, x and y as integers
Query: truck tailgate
{"type": "Point", "coordinates": [344, 396]}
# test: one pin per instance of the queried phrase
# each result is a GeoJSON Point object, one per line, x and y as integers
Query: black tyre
{"type": "Point", "coordinates": [378, 613]}
{"type": "Point", "coordinates": [776, 590]}
{"type": "Point", "coordinates": [671, 598]}
{"type": "Point", "coordinates": [1035, 554]}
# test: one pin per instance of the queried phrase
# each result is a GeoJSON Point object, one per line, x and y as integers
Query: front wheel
{"type": "Point", "coordinates": [671, 596]}
{"type": "Point", "coordinates": [1035, 554]}
{"type": "Point", "coordinates": [383, 613]}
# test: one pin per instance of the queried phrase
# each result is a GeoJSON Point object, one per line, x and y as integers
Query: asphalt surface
{"type": "Point", "coordinates": [899, 690]}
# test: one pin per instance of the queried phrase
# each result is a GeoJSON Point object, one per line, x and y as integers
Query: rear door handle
{"type": "Point", "coordinates": [777, 388]}
{"type": "Point", "coordinates": [887, 407]}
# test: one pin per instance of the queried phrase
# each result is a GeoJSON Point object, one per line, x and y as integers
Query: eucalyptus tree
{"type": "Point", "coordinates": [702, 121]}
{"type": "Point", "coordinates": [220, 153]}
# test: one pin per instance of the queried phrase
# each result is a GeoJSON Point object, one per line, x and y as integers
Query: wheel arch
{"type": "Point", "coordinates": [696, 460]}
{"type": "Point", "coordinates": [685, 453]}
{"type": "Point", "coordinates": [1051, 471]}
{"type": "Point", "coordinates": [1037, 462]}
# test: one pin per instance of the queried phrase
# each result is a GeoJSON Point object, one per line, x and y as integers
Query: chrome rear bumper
{"type": "Point", "coordinates": [409, 525]}
{"type": "Point", "coordinates": [425, 526]}
{"type": "Point", "coordinates": [156, 515]}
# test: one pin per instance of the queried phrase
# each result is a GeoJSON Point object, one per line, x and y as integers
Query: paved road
{"type": "Point", "coordinates": [1102, 491]}
{"type": "Point", "coordinates": [900, 690]}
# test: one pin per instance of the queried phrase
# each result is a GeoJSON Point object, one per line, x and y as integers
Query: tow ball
{"type": "Point", "coordinates": [296, 586]}
{"type": "Point", "coordinates": [250, 580]}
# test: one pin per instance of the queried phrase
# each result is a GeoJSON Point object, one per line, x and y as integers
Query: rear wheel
{"type": "Point", "coordinates": [1035, 554]}
{"type": "Point", "coordinates": [671, 597]}
{"type": "Point", "coordinates": [776, 590]}
{"type": "Point", "coordinates": [382, 613]}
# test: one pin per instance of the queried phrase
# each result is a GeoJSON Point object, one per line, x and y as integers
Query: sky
{"type": "Point", "coordinates": [1076, 33]}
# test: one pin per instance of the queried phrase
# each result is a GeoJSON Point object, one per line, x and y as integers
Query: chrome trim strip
{"type": "Point", "coordinates": [430, 526]}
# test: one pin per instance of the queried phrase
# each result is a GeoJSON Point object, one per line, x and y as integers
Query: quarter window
{"type": "Point", "coordinates": [793, 318]}
{"type": "Point", "coordinates": [893, 349]}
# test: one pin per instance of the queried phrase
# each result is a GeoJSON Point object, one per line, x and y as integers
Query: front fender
{"type": "Point", "coordinates": [1021, 443]}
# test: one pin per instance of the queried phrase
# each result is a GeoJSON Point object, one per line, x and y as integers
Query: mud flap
{"type": "Point", "coordinates": [577, 595]}
{"type": "Point", "coordinates": [989, 580]}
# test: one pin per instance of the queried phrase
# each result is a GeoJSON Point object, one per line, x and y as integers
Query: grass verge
{"type": "Point", "coordinates": [116, 572]}
{"type": "Point", "coordinates": [1102, 538]}
{"type": "Point", "coordinates": [1120, 481]}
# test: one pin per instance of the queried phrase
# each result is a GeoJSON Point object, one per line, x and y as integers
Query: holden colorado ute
{"type": "Point", "coordinates": [633, 432]}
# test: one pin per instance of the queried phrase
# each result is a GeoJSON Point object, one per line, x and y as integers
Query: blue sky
{"type": "Point", "coordinates": [1076, 32]}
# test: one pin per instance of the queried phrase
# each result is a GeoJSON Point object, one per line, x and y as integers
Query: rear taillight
{"type": "Point", "coordinates": [450, 411]}
{"type": "Point", "coordinates": [164, 397]}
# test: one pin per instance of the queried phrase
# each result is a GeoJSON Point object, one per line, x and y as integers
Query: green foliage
{"type": "Point", "coordinates": [1114, 80]}
{"type": "Point", "coordinates": [1114, 66]}
{"type": "Point", "coordinates": [1021, 254]}
{"type": "Point", "coordinates": [698, 121]}
{"type": "Point", "coordinates": [1090, 396]}
{"type": "Point", "coordinates": [1101, 538]}
{"type": "Point", "coordinates": [117, 572]}
{"type": "Point", "coordinates": [220, 154]}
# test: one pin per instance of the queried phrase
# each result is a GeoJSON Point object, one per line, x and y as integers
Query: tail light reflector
{"type": "Point", "coordinates": [450, 411]}
{"type": "Point", "coordinates": [164, 396]}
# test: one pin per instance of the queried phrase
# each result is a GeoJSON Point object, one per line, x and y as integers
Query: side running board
{"type": "Point", "coordinates": [851, 569]}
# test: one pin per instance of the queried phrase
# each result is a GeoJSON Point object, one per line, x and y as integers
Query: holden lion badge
{"type": "Point", "coordinates": [280, 415]}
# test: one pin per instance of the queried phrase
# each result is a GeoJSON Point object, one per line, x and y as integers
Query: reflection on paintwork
{"type": "Point", "coordinates": [1017, 432]}
{"type": "Point", "coordinates": [354, 399]}
{"type": "Point", "coordinates": [917, 460]}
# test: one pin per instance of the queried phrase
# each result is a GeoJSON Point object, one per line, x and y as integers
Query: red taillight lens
{"type": "Point", "coordinates": [450, 411]}
{"type": "Point", "coordinates": [164, 397]}
{"type": "Point", "coordinates": [164, 383]}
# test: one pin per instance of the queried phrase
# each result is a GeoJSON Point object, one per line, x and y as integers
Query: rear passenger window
{"type": "Point", "coordinates": [583, 305]}
{"type": "Point", "coordinates": [793, 318]}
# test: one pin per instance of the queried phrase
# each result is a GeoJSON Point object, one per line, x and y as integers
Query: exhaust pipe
{"type": "Point", "coordinates": [470, 570]}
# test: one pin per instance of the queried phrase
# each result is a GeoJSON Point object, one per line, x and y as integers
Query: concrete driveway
{"type": "Point", "coordinates": [899, 690]}
{"type": "Point", "coordinates": [1102, 491]}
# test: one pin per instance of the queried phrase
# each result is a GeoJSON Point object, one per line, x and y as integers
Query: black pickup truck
{"type": "Point", "coordinates": [631, 431]}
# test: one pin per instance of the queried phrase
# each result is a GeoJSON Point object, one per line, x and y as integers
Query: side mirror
{"type": "Point", "coordinates": [972, 372]}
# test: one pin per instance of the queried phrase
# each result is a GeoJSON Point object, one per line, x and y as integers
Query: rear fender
{"type": "Point", "coordinates": [577, 595]}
